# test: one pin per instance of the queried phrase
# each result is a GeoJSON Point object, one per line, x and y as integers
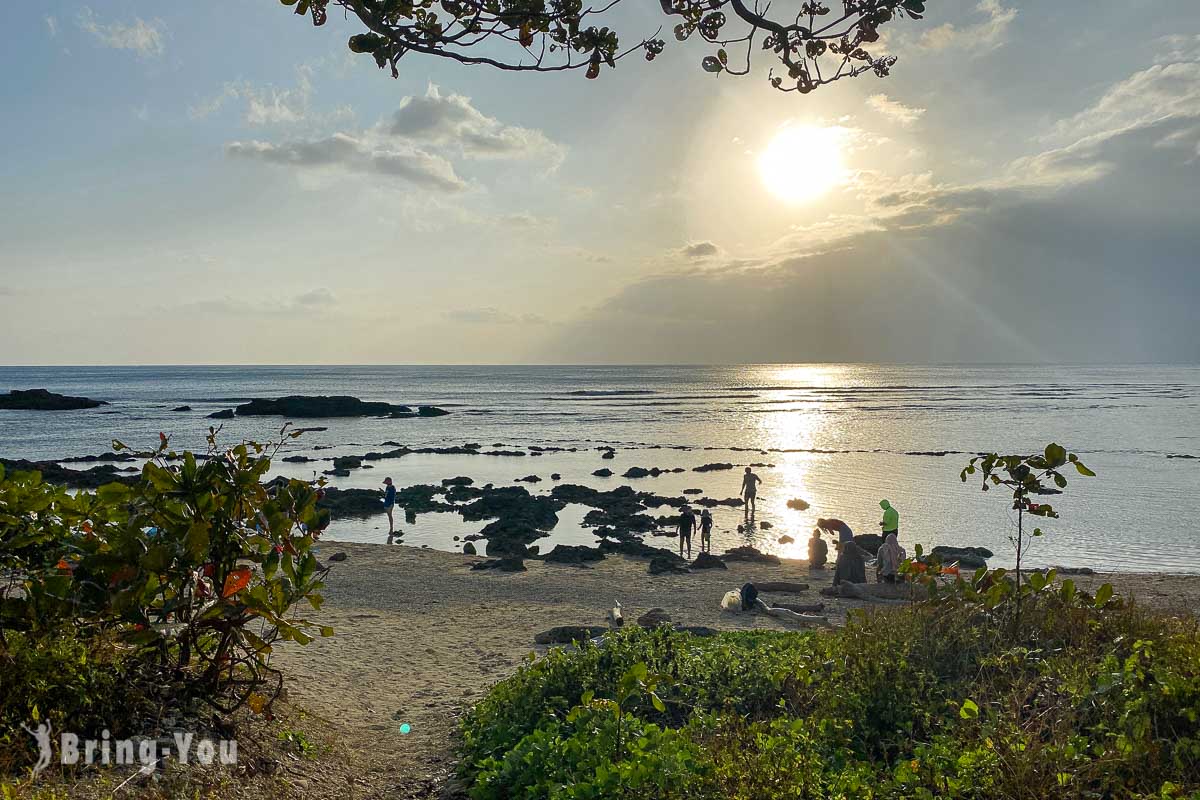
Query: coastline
{"type": "Point", "coordinates": [420, 637]}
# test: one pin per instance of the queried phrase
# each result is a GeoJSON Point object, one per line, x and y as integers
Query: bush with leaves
{"type": "Point", "coordinates": [1089, 696]}
{"type": "Point", "coordinates": [193, 571]}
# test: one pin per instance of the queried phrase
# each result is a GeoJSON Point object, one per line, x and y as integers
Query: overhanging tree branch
{"type": "Point", "coordinates": [558, 35]}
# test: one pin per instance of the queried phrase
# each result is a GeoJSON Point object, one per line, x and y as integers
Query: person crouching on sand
{"type": "Point", "coordinates": [818, 551]}
{"type": "Point", "coordinates": [389, 502]}
{"type": "Point", "coordinates": [887, 562]}
{"type": "Point", "coordinates": [687, 524]}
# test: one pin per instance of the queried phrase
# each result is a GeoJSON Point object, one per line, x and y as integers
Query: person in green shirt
{"type": "Point", "coordinates": [891, 519]}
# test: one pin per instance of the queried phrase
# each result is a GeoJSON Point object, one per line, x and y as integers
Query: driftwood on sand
{"type": "Point", "coordinates": [887, 593]}
{"type": "Point", "coordinates": [802, 608]}
{"type": "Point", "coordinates": [791, 616]}
{"type": "Point", "coordinates": [786, 587]}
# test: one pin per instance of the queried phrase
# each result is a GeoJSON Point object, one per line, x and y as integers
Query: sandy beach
{"type": "Point", "coordinates": [420, 637]}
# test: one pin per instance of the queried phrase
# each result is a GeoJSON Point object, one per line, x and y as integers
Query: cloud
{"type": "Point", "coordinates": [52, 26]}
{"type": "Point", "coordinates": [360, 155]}
{"type": "Point", "coordinates": [270, 105]}
{"type": "Point", "coordinates": [492, 316]}
{"type": "Point", "coordinates": [318, 300]}
{"type": "Point", "coordinates": [451, 120]}
{"type": "Point", "coordinates": [894, 110]}
{"type": "Point", "coordinates": [1078, 253]}
{"type": "Point", "coordinates": [407, 145]}
{"type": "Point", "coordinates": [699, 250]}
{"type": "Point", "coordinates": [1159, 91]}
{"type": "Point", "coordinates": [315, 298]}
{"type": "Point", "coordinates": [980, 37]}
{"type": "Point", "coordinates": [144, 38]}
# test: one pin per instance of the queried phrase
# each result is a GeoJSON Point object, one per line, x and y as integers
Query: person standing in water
{"type": "Point", "coordinates": [750, 483]}
{"type": "Point", "coordinates": [687, 524]}
{"type": "Point", "coordinates": [891, 519]}
{"type": "Point", "coordinates": [706, 523]}
{"type": "Point", "coordinates": [389, 502]}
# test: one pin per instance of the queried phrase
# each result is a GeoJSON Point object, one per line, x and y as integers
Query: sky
{"type": "Point", "coordinates": [224, 183]}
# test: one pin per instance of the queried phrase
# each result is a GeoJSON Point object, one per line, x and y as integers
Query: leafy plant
{"type": "Point", "coordinates": [194, 571]}
{"type": "Point", "coordinates": [1028, 478]}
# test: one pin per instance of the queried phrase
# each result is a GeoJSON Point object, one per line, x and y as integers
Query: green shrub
{"type": "Point", "coordinates": [940, 699]}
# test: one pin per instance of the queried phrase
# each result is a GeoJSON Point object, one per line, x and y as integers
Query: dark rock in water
{"type": "Point", "coordinates": [347, 462]}
{"type": "Point", "coordinates": [747, 553]}
{"type": "Point", "coordinates": [337, 473]}
{"type": "Point", "coordinates": [603, 473]}
{"type": "Point", "coordinates": [45, 400]}
{"type": "Point", "coordinates": [732, 502]}
{"type": "Point", "coordinates": [653, 618]}
{"type": "Point", "coordinates": [225, 414]}
{"type": "Point", "coordinates": [636, 472]}
{"type": "Point", "coordinates": [708, 561]}
{"type": "Point", "coordinates": [462, 480]}
{"type": "Point", "coordinates": [469, 549]}
{"type": "Point", "coordinates": [693, 491]}
{"type": "Point", "coordinates": [340, 556]}
{"type": "Point", "coordinates": [766, 526]}
{"type": "Point", "coordinates": [797, 504]}
{"type": "Point", "coordinates": [508, 564]}
{"type": "Point", "coordinates": [554, 476]}
{"type": "Point", "coordinates": [306, 407]}
{"type": "Point", "coordinates": [946, 551]}
{"type": "Point", "coordinates": [786, 539]}
{"type": "Point", "coordinates": [431, 411]}
{"type": "Point", "coordinates": [309, 430]}
{"type": "Point", "coordinates": [609, 454]}
{"type": "Point", "coordinates": [629, 545]}
{"type": "Point", "coordinates": [504, 453]}
{"type": "Point", "coordinates": [571, 554]}
{"type": "Point", "coordinates": [297, 459]}
{"type": "Point", "coordinates": [501, 547]}
{"type": "Point", "coordinates": [871, 542]}
{"type": "Point", "coordinates": [565, 634]}
{"type": "Point", "coordinates": [529, 479]}
{"type": "Point", "coordinates": [77, 478]}
{"type": "Point", "coordinates": [664, 566]}
{"type": "Point", "coordinates": [712, 467]}
{"type": "Point", "coordinates": [353, 502]}
{"type": "Point", "coordinates": [113, 458]}
{"type": "Point", "coordinates": [182, 408]}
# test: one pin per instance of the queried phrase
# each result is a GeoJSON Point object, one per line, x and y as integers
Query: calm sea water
{"type": "Point", "coordinates": [839, 436]}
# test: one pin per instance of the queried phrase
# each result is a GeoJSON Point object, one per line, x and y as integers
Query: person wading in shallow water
{"type": "Point", "coordinates": [389, 502]}
{"type": "Point", "coordinates": [750, 483]}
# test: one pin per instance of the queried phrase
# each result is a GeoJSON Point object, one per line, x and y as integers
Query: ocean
{"type": "Point", "coordinates": [839, 436]}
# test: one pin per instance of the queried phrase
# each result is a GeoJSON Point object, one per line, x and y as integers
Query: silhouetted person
{"type": "Point", "coordinates": [706, 523]}
{"type": "Point", "coordinates": [687, 524]}
{"type": "Point", "coordinates": [851, 566]}
{"type": "Point", "coordinates": [818, 551]}
{"type": "Point", "coordinates": [389, 503]}
{"type": "Point", "coordinates": [836, 527]}
{"type": "Point", "coordinates": [750, 483]}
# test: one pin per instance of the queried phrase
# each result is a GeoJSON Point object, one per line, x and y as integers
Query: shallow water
{"type": "Point", "coordinates": [1124, 422]}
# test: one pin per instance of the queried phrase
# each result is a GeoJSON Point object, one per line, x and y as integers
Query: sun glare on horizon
{"type": "Point", "coordinates": [803, 162]}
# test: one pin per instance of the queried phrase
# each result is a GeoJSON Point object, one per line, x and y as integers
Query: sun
{"type": "Point", "coordinates": [803, 162]}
